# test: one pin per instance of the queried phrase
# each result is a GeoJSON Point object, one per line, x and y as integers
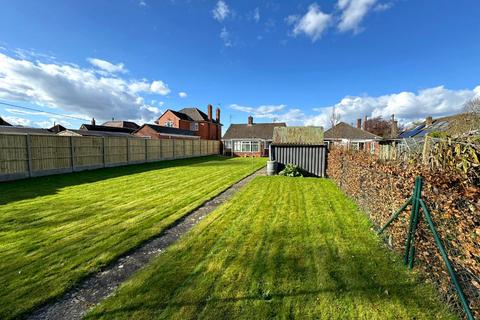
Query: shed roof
{"type": "Point", "coordinates": [24, 130]}
{"type": "Point", "coordinates": [168, 130]}
{"type": "Point", "coordinates": [256, 130]}
{"type": "Point", "coordinates": [298, 135]}
{"type": "Point", "coordinates": [91, 127]}
{"type": "Point", "coordinates": [121, 124]}
{"type": "Point", "coordinates": [93, 133]}
{"type": "Point", "coordinates": [345, 131]}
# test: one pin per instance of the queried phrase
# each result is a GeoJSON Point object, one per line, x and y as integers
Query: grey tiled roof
{"type": "Point", "coordinates": [346, 131]}
{"type": "Point", "coordinates": [256, 130]}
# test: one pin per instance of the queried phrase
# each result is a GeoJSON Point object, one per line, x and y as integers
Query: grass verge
{"type": "Point", "coordinates": [56, 230]}
{"type": "Point", "coordinates": [282, 248]}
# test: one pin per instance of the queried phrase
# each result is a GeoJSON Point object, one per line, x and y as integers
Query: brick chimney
{"type": "Point", "coordinates": [93, 121]}
{"type": "Point", "coordinates": [250, 120]}
{"type": "Point", "coordinates": [209, 112]}
{"type": "Point", "coordinates": [217, 115]}
{"type": "Point", "coordinates": [365, 123]}
{"type": "Point", "coordinates": [428, 121]}
{"type": "Point", "coordinates": [394, 127]}
{"type": "Point", "coordinates": [359, 123]}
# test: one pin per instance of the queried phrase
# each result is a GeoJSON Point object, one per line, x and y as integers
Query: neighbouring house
{"type": "Point", "coordinates": [121, 124]}
{"type": "Point", "coordinates": [57, 128]}
{"type": "Point", "coordinates": [454, 125]}
{"type": "Point", "coordinates": [159, 132]}
{"type": "Point", "coordinates": [350, 137]}
{"type": "Point", "coordinates": [250, 139]}
{"type": "Point", "coordinates": [4, 123]}
{"type": "Point", "coordinates": [193, 119]}
{"type": "Point", "coordinates": [93, 133]}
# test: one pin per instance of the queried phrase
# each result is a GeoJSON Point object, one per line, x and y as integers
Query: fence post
{"type": "Point", "coordinates": [104, 153]}
{"type": "Point", "coordinates": [146, 151]}
{"type": "Point", "coordinates": [72, 153]}
{"type": "Point", "coordinates": [173, 148]}
{"type": "Point", "coordinates": [128, 150]}
{"type": "Point", "coordinates": [29, 154]}
{"type": "Point", "coordinates": [160, 154]}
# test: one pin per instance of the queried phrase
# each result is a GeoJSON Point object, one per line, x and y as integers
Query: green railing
{"type": "Point", "coordinates": [417, 202]}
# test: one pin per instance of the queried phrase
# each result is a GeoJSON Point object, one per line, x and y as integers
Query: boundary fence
{"type": "Point", "coordinates": [379, 188]}
{"type": "Point", "coordinates": [28, 155]}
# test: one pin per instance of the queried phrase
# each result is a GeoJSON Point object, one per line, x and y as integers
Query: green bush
{"type": "Point", "coordinates": [291, 170]}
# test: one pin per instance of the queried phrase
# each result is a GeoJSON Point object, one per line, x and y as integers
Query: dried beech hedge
{"type": "Point", "coordinates": [380, 188]}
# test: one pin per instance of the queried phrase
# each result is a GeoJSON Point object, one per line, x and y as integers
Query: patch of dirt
{"type": "Point", "coordinates": [77, 301]}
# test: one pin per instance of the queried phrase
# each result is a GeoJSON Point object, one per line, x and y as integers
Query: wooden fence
{"type": "Point", "coordinates": [24, 156]}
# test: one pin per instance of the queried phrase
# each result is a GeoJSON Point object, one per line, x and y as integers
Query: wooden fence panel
{"type": "Point", "coordinates": [24, 155]}
{"type": "Point", "coordinates": [115, 151]}
{"type": "Point", "coordinates": [196, 147]}
{"type": "Point", "coordinates": [188, 148]}
{"type": "Point", "coordinates": [13, 155]}
{"type": "Point", "coordinates": [204, 147]}
{"type": "Point", "coordinates": [87, 151]}
{"type": "Point", "coordinates": [154, 150]}
{"type": "Point", "coordinates": [50, 153]}
{"type": "Point", "coordinates": [179, 148]}
{"type": "Point", "coordinates": [167, 149]}
{"type": "Point", "coordinates": [137, 150]}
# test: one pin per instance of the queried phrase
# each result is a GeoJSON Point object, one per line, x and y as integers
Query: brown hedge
{"type": "Point", "coordinates": [380, 188]}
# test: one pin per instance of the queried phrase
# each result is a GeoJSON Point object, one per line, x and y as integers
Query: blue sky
{"type": "Point", "coordinates": [276, 60]}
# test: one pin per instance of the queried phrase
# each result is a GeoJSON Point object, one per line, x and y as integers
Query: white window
{"type": "Point", "coordinates": [246, 146]}
{"type": "Point", "coordinates": [194, 126]}
{"type": "Point", "coordinates": [228, 144]}
{"type": "Point", "coordinates": [169, 123]}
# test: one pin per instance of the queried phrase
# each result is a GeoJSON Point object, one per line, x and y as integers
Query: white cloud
{"type": "Point", "coordinates": [407, 106]}
{"type": "Point", "coordinates": [273, 113]}
{"type": "Point", "coordinates": [225, 36]}
{"type": "Point", "coordinates": [383, 6]}
{"type": "Point", "coordinates": [256, 14]}
{"type": "Point", "coordinates": [353, 12]}
{"type": "Point", "coordinates": [76, 90]}
{"type": "Point", "coordinates": [312, 24]}
{"type": "Point", "coordinates": [107, 66]}
{"type": "Point", "coordinates": [17, 121]}
{"type": "Point", "coordinates": [182, 94]}
{"type": "Point", "coordinates": [221, 11]}
{"type": "Point", "coordinates": [142, 3]}
{"type": "Point", "coordinates": [159, 87]}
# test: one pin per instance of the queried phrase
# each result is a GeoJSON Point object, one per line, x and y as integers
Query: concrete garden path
{"type": "Point", "coordinates": [92, 290]}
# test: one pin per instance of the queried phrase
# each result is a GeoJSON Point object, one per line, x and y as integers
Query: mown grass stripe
{"type": "Point", "coordinates": [281, 248]}
{"type": "Point", "coordinates": [56, 230]}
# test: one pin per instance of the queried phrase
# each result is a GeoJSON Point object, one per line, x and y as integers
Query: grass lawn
{"type": "Point", "coordinates": [282, 248]}
{"type": "Point", "coordinates": [55, 230]}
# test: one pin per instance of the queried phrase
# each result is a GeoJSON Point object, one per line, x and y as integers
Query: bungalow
{"type": "Point", "coordinates": [251, 139]}
{"type": "Point", "coordinates": [347, 136]}
{"type": "Point", "coordinates": [158, 132]}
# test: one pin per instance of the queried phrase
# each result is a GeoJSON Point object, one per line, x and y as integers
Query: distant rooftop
{"type": "Point", "coordinates": [345, 131]}
{"type": "Point", "coordinates": [252, 131]}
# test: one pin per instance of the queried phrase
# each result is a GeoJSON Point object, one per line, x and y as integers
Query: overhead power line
{"type": "Point", "coordinates": [42, 111]}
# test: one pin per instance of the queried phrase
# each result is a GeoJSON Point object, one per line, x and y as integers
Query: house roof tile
{"type": "Point", "coordinates": [256, 130]}
{"type": "Point", "coordinates": [346, 131]}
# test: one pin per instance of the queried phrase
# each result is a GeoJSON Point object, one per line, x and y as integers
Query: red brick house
{"type": "Point", "coordinates": [159, 132]}
{"type": "Point", "coordinates": [250, 139]}
{"type": "Point", "coordinates": [195, 120]}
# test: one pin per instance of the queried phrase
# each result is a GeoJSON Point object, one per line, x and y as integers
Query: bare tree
{"type": "Point", "coordinates": [473, 106]}
{"type": "Point", "coordinates": [334, 117]}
